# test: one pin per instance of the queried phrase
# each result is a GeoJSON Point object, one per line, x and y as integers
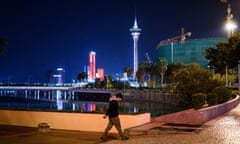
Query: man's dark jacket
{"type": "Point", "coordinates": [112, 109]}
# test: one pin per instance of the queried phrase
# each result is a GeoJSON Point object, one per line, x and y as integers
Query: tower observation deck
{"type": "Point", "coordinates": [135, 32]}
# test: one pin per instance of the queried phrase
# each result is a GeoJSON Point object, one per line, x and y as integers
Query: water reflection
{"type": "Point", "coordinates": [65, 101]}
{"type": "Point", "coordinates": [59, 100]}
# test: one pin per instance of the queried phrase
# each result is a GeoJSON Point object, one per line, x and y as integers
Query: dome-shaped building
{"type": "Point", "coordinates": [190, 51]}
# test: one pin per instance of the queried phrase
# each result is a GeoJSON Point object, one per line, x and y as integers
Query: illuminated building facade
{"type": "Point", "coordinates": [100, 74]}
{"type": "Point", "coordinates": [92, 67]}
{"type": "Point", "coordinates": [60, 71]}
{"type": "Point", "coordinates": [190, 51]}
{"type": "Point", "coordinates": [59, 77]}
{"type": "Point", "coordinates": [135, 32]}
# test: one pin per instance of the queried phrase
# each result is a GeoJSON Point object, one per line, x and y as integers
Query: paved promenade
{"type": "Point", "coordinates": [224, 129]}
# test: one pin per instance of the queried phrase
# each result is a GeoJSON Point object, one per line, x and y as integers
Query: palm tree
{"type": "Point", "coordinates": [82, 76]}
{"type": "Point", "coordinates": [162, 68]}
{"type": "Point", "coordinates": [150, 71]}
{"type": "Point", "coordinates": [140, 73]}
{"type": "Point", "coordinates": [128, 70]}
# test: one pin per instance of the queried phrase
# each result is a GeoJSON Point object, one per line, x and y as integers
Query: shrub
{"type": "Point", "coordinates": [223, 94]}
{"type": "Point", "coordinates": [198, 100]}
{"type": "Point", "coordinates": [235, 93]}
{"type": "Point", "coordinates": [190, 80]}
{"type": "Point", "coordinates": [212, 99]}
{"type": "Point", "coordinates": [168, 89]}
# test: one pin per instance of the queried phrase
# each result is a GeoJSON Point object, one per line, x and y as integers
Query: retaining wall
{"type": "Point", "coordinates": [148, 95]}
{"type": "Point", "coordinates": [198, 117]}
{"type": "Point", "coordinates": [68, 121]}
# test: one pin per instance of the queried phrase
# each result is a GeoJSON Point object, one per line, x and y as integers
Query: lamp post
{"type": "Point", "coordinates": [230, 27]}
{"type": "Point", "coordinates": [230, 24]}
{"type": "Point", "coordinates": [239, 75]}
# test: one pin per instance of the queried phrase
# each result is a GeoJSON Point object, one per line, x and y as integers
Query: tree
{"type": "Point", "coordinates": [82, 76]}
{"type": "Point", "coordinates": [3, 43]}
{"type": "Point", "coordinates": [150, 69]}
{"type": "Point", "coordinates": [234, 46]}
{"type": "Point", "coordinates": [151, 72]}
{"type": "Point", "coordinates": [107, 82]}
{"type": "Point", "coordinates": [128, 70]}
{"type": "Point", "coordinates": [190, 80]}
{"type": "Point", "coordinates": [140, 73]}
{"type": "Point", "coordinates": [225, 53]}
{"type": "Point", "coordinates": [173, 67]}
{"type": "Point", "coordinates": [161, 68]}
{"type": "Point", "coordinates": [97, 83]}
{"type": "Point", "coordinates": [225, 56]}
{"type": "Point", "coordinates": [217, 57]}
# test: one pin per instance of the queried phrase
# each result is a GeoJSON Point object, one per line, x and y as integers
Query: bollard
{"type": "Point", "coordinates": [43, 128]}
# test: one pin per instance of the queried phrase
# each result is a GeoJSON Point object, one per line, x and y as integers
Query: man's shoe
{"type": "Point", "coordinates": [125, 138]}
{"type": "Point", "coordinates": [103, 139]}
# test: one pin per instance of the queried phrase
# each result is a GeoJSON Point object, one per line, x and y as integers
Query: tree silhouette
{"type": "Point", "coordinates": [3, 43]}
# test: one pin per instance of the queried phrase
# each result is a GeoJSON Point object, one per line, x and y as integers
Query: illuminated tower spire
{"type": "Point", "coordinates": [135, 32]}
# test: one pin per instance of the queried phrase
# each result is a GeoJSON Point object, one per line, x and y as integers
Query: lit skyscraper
{"type": "Point", "coordinates": [100, 74]}
{"type": "Point", "coordinates": [60, 71]}
{"type": "Point", "coordinates": [135, 32]}
{"type": "Point", "coordinates": [92, 66]}
{"type": "Point", "coordinates": [59, 77]}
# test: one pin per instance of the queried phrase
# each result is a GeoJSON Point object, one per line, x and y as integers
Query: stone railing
{"type": "Point", "coordinates": [148, 95]}
{"type": "Point", "coordinates": [68, 121]}
{"type": "Point", "coordinates": [198, 117]}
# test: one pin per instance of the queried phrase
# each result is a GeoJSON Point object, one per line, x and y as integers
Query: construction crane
{"type": "Point", "coordinates": [181, 37]}
{"type": "Point", "coordinates": [148, 58]}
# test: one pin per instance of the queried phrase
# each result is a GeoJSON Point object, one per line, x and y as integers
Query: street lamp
{"type": "Point", "coordinates": [239, 75]}
{"type": "Point", "coordinates": [230, 27]}
{"type": "Point", "coordinates": [230, 24]}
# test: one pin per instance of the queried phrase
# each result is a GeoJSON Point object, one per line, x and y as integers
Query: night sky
{"type": "Point", "coordinates": [46, 34]}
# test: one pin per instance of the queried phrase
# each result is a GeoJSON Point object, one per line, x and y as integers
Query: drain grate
{"type": "Point", "coordinates": [182, 125]}
{"type": "Point", "coordinates": [179, 128]}
{"type": "Point", "coordinates": [173, 129]}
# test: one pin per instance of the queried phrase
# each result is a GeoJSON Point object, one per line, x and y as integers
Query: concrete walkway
{"type": "Point", "coordinates": [224, 129]}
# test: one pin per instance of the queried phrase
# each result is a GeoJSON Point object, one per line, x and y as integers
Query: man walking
{"type": "Point", "coordinates": [113, 113]}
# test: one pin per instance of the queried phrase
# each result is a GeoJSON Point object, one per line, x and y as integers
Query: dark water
{"type": "Point", "coordinates": [59, 103]}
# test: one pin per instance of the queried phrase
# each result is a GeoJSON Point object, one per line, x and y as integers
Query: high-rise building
{"type": "Point", "coordinates": [92, 67]}
{"type": "Point", "coordinates": [188, 52]}
{"type": "Point", "coordinates": [100, 74]}
{"type": "Point", "coordinates": [135, 32]}
{"type": "Point", "coordinates": [60, 72]}
{"type": "Point", "coordinates": [59, 76]}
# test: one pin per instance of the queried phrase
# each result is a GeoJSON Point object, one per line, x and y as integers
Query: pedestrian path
{"type": "Point", "coordinates": [224, 129]}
